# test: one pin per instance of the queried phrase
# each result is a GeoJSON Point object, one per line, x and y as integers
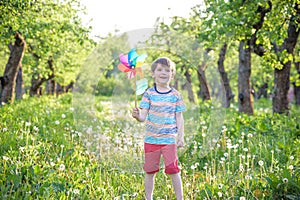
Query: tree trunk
{"type": "Point", "coordinates": [36, 83]}
{"type": "Point", "coordinates": [228, 92]}
{"type": "Point", "coordinates": [188, 86]}
{"type": "Point", "coordinates": [60, 89]}
{"type": "Point", "coordinates": [297, 87]}
{"type": "Point", "coordinates": [245, 99]}
{"type": "Point", "coordinates": [19, 84]}
{"type": "Point", "coordinates": [70, 87]}
{"type": "Point", "coordinates": [50, 87]}
{"type": "Point", "coordinates": [204, 90]}
{"type": "Point", "coordinates": [36, 86]}
{"type": "Point", "coordinates": [282, 76]}
{"type": "Point", "coordinates": [263, 91]}
{"type": "Point", "coordinates": [11, 69]}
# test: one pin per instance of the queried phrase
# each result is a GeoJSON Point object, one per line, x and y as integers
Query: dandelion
{"type": "Point", "coordinates": [203, 135]}
{"type": "Point", "coordinates": [22, 149]}
{"type": "Point", "coordinates": [72, 109]}
{"type": "Point", "coordinates": [76, 191]}
{"type": "Point", "coordinates": [4, 129]}
{"type": "Point", "coordinates": [261, 163]}
{"type": "Point", "coordinates": [250, 135]}
{"type": "Point", "coordinates": [241, 168]}
{"type": "Point", "coordinates": [63, 116]}
{"type": "Point", "coordinates": [242, 198]}
{"type": "Point", "coordinates": [62, 167]}
{"type": "Point", "coordinates": [5, 158]}
{"type": "Point", "coordinates": [226, 155]}
{"type": "Point", "coordinates": [35, 128]}
{"type": "Point", "coordinates": [57, 122]}
{"type": "Point", "coordinates": [27, 123]}
{"type": "Point", "coordinates": [220, 194]}
{"type": "Point", "coordinates": [79, 134]}
{"type": "Point", "coordinates": [291, 167]}
{"type": "Point", "coordinates": [220, 186]}
{"type": "Point", "coordinates": [245, 149]}
{"type": "Point", "coordinates": [292, 157]}
{"type": "Point", "coordinates": [285, 180]}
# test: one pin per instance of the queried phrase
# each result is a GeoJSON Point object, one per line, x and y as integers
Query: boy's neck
{"type": "Point", "coordinates": [162, 87]}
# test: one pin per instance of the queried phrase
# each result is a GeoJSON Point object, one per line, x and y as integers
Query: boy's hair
{"type": "Point", "coordinates": [164, 61]}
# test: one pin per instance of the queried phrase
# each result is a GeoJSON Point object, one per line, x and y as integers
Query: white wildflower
{"type": "Point", "coordinates": [261, 163]}
{"type": "Point", "coordinates": [62, 167]}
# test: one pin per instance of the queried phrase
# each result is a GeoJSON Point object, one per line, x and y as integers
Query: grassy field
{"type": "Point", "coordinates": [50, 151]}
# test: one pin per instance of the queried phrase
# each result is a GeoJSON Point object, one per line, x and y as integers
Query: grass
{"type": "Point", "coordinates": [46, 154]}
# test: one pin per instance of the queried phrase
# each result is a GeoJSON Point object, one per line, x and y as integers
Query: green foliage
{"type": "Point", "coordinates": [52, 30]}
{"type": "Point", "coordinates": [43, 156]}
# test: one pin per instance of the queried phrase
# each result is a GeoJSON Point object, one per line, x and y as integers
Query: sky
{"type": "Point", "coordinates": [129, 15]}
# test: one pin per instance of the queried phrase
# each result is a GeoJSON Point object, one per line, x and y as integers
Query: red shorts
{"type": "Point", "coordinates": [153, 153]}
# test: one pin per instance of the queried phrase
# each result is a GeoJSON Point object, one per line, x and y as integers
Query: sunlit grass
{"type": "Point", "coordinates": [46, 154]}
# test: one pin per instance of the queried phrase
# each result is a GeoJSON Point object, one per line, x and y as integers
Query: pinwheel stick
{"type": "Point", "coordinates": [135, 96]}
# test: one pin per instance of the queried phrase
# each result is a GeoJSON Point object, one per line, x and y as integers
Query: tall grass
{"type": "Point", "coordinates": [44, 155]}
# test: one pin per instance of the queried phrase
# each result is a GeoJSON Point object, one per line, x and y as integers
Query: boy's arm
{"type": "Point", "coordinates": [140, 114]}
{"type": "Point", "coordinates": [180, 129]}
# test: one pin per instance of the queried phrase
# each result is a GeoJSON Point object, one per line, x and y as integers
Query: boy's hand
{"type": "Point", "coordinates": [180, 142]}
{"type": "Point", "coordinates": [136, 113]}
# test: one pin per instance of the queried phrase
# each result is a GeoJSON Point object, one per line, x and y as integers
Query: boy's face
{"type": "Point", "coordinates": [162, 74]}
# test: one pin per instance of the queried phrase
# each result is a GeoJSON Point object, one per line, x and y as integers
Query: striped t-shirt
{"type": "Point", "coordinates": [161, 125]}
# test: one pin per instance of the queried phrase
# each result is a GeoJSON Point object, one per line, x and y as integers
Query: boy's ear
{"type": "Point", "coordinates": [173, 75]}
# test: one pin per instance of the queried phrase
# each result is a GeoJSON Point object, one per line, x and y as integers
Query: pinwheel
{"type": "Point", "coordinates": [131, 64]}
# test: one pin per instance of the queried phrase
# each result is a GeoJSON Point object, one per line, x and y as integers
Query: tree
{"type": "Point", "coordinates": [8, 81]}
{"type": "Point", "coordinates": [282, 74]}
{"type": "Point", "coordinates": [56, 39]}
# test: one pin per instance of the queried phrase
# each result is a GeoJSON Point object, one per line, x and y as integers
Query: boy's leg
{"type": "Point", "coordinates": [149, 185]}
{"type": "Point", "coordinates": [177, 185]}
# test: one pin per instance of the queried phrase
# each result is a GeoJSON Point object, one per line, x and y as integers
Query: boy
{"type": "Point", "coordinates": [162, 108]}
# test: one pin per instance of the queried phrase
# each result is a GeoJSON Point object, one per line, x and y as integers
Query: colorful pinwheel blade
{"type": "Point", "coordinates": [131, 74]}
{"type": "Point", "coordinates": [141, 86]}
{"type": "Point", "coordinates": [139, 72]}
{"type": "Point", "coordinates": [123, 68]}
{"type": "Point", "coordinates": [132, 56]}
{"type": "Point", "coordinates": [141, 58]}
{"type": "Point", "coordinates": [124, 60]}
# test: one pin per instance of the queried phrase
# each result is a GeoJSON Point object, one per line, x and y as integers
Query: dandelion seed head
{"type": "Point", "coordinates": [285, 180]}
{"type": "Point", "coordinates": [76, 191]}
{"type": "Point", "coordinates": [5, 158]}
{"type": "Point", "coordinates": [291, 167]}
{"type": "Point", "coordinates": [62, 167]}
{"type": "Point", "coordinates": [220, 194]}
{"type": "Point", "coordinates": [261, 163]}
